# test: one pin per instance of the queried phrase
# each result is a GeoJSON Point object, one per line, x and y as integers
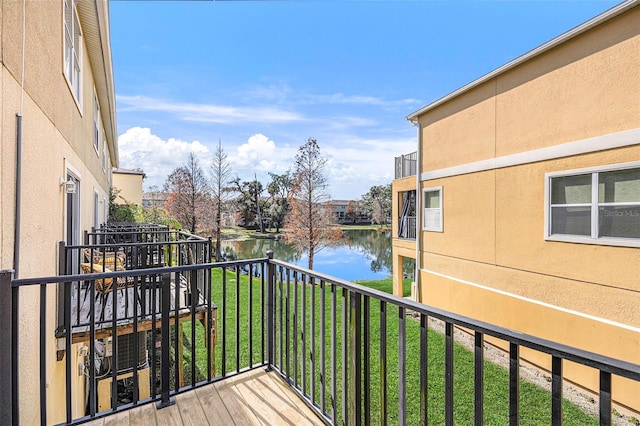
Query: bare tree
{"type": "Point", "coordinates": [220, 179]}
{"type": "Point", "coordinates": [352, 211]}
{"type": "Point", "coordinates": [311, 223]}
{"type": "Point", "coordinates": [188, 193]}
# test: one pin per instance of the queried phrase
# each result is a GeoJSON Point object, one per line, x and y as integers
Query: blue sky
{"type": "Point", "coordinates": [263, 76]}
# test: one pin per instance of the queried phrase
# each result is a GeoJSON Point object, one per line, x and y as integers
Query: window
{"type": "Point", "coordinates": [432, 209]}
{"type": "Point", "coordinates": [96, 124]}
{"type": "Point", "coordinates": [72, 49]}
{"type": "Point", "coordinates": [600, 206]}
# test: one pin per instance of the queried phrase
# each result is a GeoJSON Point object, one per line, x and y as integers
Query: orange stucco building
{"type": "Point", "coordinates": [527, 196]}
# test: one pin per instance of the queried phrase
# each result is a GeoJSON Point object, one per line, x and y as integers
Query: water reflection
{"type": "Point", "coordinates": [360, 255]}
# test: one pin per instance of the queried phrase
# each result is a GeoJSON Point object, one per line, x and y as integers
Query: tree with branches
{"type": "Point", "coordinates": [377, 203]}
{"type": "Point", "coordinates": [311, 224]}
{"type": "Point", "coordinates": [279, 189]}
{"type": "Point", "coordinates": [220, 174]}
{"type": "Point", "coordinates": [250, 202]}
{"type": "Point", "coordinates": [188, 194]}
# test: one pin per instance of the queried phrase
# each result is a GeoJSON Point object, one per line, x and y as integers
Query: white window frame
{"type": "Point", "coordinates": [425, 211]}
{"type": "Point", "coordinates": [72, 52]}
{"type": "Point", "coordinates": [594, 205]}
{"type": "Point", "coordinates": [96, 123]}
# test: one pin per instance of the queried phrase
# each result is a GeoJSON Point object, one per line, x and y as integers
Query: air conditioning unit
{"type": "Point", "coordinates": [125, 363]}
{"type": "Point", "coordinates": [126, 354]}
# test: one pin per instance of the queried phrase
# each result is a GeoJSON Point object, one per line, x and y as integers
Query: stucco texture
{"type": "Point", "coordinates": [492, 261]}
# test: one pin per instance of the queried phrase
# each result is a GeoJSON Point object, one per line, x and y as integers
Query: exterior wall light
{"type": "Point", "coordinates": [69, 185]}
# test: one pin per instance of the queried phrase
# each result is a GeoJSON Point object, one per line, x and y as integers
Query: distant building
{"type": "Point", "coordinates": [154, 199]}
{"type": "Point", "coordinates": [341, 210]}
{"type": "Point", "coordinates": [129, 183]}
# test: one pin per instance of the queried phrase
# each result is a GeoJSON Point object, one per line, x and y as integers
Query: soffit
{"type": "Point", "coordinates": [94, 19]}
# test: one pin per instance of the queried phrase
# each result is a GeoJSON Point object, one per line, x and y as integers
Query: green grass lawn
{"type": "Point", "coordinates": [535, 403]}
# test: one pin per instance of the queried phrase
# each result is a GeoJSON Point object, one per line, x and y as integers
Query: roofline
{"type": "Point", "coordinates": [95, 13]}
{"type": "Point", "coordinates": [128, 172]}
{"type": "Point", "coordinates": [572, 33]}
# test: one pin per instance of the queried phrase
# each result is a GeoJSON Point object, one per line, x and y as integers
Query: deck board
{"type": "Point", "coordinates": [142, 415]}
{"type": "Point", "coordinates": [234, 403]}
{"type": "Point", "coordinates": [119, 419]}
{"type": "Point", "coordinates": [168, 416]}
{"type": "Point", "coordinates": [214, 408]}
{"type": "Point", "coordinates": [268, 402]}
{"type": "Point", "coordinates": [253, 398]}
{"type": "Point", "coordinates": [190, 409]}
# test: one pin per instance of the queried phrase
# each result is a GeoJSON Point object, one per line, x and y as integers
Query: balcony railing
{"type": "Point", "coordinates": [407, 227]}
{"type": "Point", "coordinates": [329, 339]}
{"type": "Point", "coordinates": [406, 165]}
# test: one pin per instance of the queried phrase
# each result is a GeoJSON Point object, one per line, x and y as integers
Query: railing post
{"type": "Point", "coordinates": [6, 355]}
{"type": "Point", "coordinates": [165, 400]}
{"type": "Point", "coordinates": [271, 313]}
{"type": "Point", "coordinates": [355, 346]}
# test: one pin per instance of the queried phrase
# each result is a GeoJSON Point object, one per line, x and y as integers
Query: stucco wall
{"type": "Point", "coordinates": [56, 135]}
{"type": "Point", "coordinates": [492, 262]}
{"type": "Point", "coordinates": [532, 317]}
{"type": "Point", "coordinates": [585, 88]}
{"type": "Point", "coordinates": [130, 186]}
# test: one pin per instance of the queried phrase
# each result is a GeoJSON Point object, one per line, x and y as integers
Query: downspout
{"type": "Point", "coordinates": [16, 231]}
{"type": "Point", "coordinates": [418, 205]}
{"type": "Point", "coordinates": [15, 302]}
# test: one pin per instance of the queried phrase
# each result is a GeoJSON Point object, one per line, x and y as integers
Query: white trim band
{"type": "Point", "coordinates": [536, 302]}
{"type": "Point", "coordinates": [584, 146]}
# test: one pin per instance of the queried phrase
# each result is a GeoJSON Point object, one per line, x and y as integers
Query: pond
{"type": "Point", "coordinates": [360, 255]}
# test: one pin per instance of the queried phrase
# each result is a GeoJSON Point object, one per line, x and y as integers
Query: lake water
{"type": "Point", "coordinates": [360, 255]}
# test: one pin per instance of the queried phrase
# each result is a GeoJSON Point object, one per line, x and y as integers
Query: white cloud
{"type": "Point", "coordinates": [208, 113]}
{"type": "Point", "coordinates": [281, 92]}
{"type": "Point", "coordinates": [139, 148]}
{"type": "Point", "coordinates": [260, 154]}
{"type": "Point", "coordinates": [357, 164]}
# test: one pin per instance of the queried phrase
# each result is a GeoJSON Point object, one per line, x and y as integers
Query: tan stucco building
{"type": "Point", "coordinates": [527, 193]}
{"type": "Point", "coordinates": [129, 184]}
{"type": "Point", "coordinates": [58, 134]}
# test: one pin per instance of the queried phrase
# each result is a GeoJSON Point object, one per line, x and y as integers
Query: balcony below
{"type": "Point", "coordinates": [253, 398]}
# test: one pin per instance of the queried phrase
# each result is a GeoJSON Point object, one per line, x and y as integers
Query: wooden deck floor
{"type": "Point", "coordinates": [255, 398]}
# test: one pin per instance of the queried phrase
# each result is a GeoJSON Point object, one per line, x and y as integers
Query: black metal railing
{"type": "Point", "coordinates": [333, 342]}
{"type": "Point", "coordinates": [180, 249]}
{"type": "Point", "coordinates": [172, 346]}
{"type": "Point", "coordinates": [407, 227]}
{"type": "Point", "coordinates": [406, 165]}
{"type": "Point", "coordinates": [323, 345]}
{"type": "Point", "coordinates": [125, 232]}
